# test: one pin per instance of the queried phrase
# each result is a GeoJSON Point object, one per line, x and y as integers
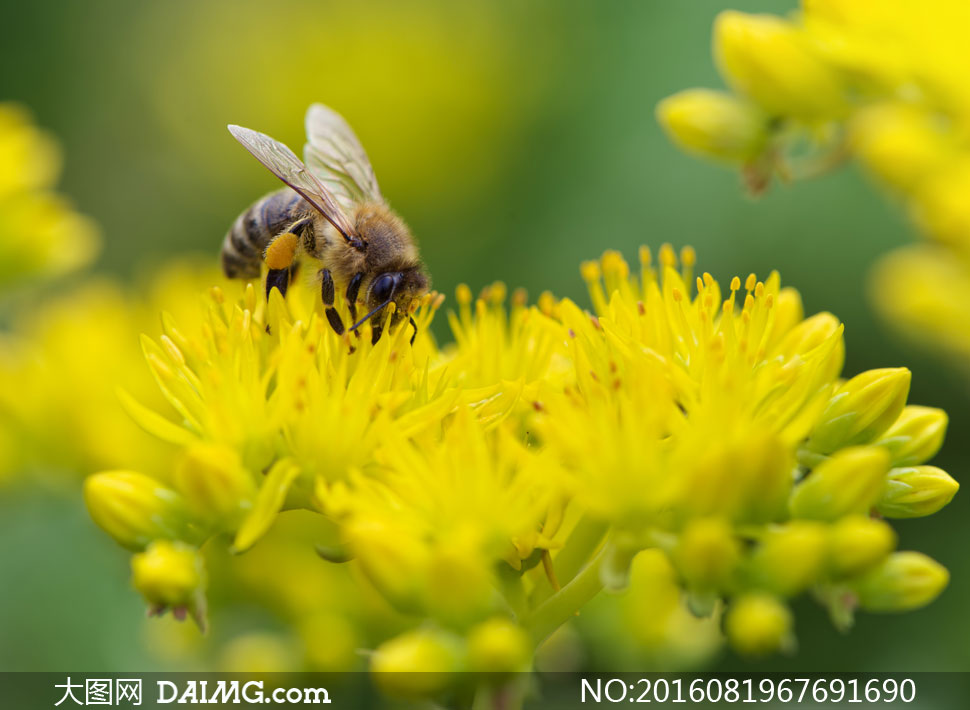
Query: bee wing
{"type": "Point", "coordinates": [284, 164]}
{"type": "Point", "coordinates": [334, 154]}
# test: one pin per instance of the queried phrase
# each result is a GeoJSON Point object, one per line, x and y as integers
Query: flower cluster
{"type": "Point", "coordinates": [487, 490]}
{"type": "Point", "coordinates": [874, 81]}
{"type": "Point", "coordinates": [40, 235]}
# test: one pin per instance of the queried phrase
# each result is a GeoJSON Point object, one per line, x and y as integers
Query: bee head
{"type": "Point", "coordinates": [401, 287]}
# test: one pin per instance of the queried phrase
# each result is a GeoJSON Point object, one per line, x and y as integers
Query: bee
{"type": "Point", "coordinates": [331, 211]}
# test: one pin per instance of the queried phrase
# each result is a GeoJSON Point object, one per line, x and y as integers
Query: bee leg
{"type": "Point", "coordinates": [279, 279]}
{"type": "Point", "coordinates": [375, 332]}
{"type": "Point", "coordinates": [353, 289]}
{"type": "Point", "coordinates": [415, 326]}
{"type": "Point", "coordinates": [279, 257]}
{"type": "Point", "coordinates": [327, 293]}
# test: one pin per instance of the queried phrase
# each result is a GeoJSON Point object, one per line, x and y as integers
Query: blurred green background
{"type": "Point", "coordinates": [517, 139]}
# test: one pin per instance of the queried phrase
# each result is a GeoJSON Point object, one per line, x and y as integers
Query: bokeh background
{"type": "Point", "coordinates": [517, 139]}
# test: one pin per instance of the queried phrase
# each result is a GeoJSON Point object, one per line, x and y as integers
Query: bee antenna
{"type": "Point", "coordinates": [363, 320]}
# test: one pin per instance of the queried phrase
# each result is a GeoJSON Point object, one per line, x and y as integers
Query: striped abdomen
{"type": "Point", "coordinates": [243, 247]}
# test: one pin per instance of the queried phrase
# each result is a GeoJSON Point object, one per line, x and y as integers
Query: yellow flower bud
{"type": "Point", "coordinates": [417, 664]}
{"type": "Point", "coordinates": [758, 624]}
{"type": "Point", "coordinates": [168, 574]}
{"type": "Point", "coordinates": [819, 339]}
{"type": "Point", "coordinates": [707, 553]}
{"type": "Point", "coordinates": [214, 483]}
{"type": "Point", "coordinates": [898, 143]}
{"type": "Point", "coordinates": [906, 580]}
{"type": "Point", "coordinates": [713, 124]}
{"type": "Point", "coordinates": [861, 409]}
{"type": "Point", "coordinates": [134, 508]}
{"type": "Point", "coordinates": [790, 558]}
{"type": "Point", "coordinates": [499, 646]}
{"type": "Point", "coordinates": [851, 481]}
{"type": "Point", "coordinates": [769, 60]}
{"type": "Point", "coordinates": [916, 491]}
{"type": "Point", "coordinates": [857, 543]}
{"type": "Point", "coordinates": [915, 436]}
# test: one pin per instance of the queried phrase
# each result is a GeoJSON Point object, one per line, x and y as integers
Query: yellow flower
{"type": "Point", "coordinates": [434, 520]}
{"type": "Point", "coordinates": [899, 143]}
{"type": "Point", "coordinates": [924, 291]}
{"type": "Point", "coordinates": [40, 234]}
{"type": "Point", "coordinates": [689, 405]}
{"type": "Point", "coordinates": [886, 85]}
{"type": "Point", "coordinates": [771, 61]}
{"type": "Point", "coordinates": [88, 336]}
{"type": "Point", "coordinates": [487, 490]}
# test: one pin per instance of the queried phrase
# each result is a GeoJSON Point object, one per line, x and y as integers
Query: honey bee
{"type": "Point", "coordinates": [332, 211]}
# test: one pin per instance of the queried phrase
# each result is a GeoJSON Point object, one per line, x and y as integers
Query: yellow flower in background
{"type": "Point", "coordinates": [88, 337]}
{"type": "Point", "coordinates": [714, 124]}
{"type": "Point", "coordinates": [925, 292]}
{"type": "Point", "coordinates": [40, 234]}
{"type": "Point", "coordinates": [771, 61]}
{"type": "Point", "coordinates": [486, 490]}
{"type": "Point", "coordinates": [884, 83]}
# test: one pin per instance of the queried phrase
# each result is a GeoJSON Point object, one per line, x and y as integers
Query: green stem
{"type": "Point", "coordinates": [563, 605]}
{"type": "Point", "coordinates": [581, 544]}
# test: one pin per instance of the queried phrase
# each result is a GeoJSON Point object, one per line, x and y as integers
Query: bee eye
{"type": "Point", "coordinates": [383, 287]}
